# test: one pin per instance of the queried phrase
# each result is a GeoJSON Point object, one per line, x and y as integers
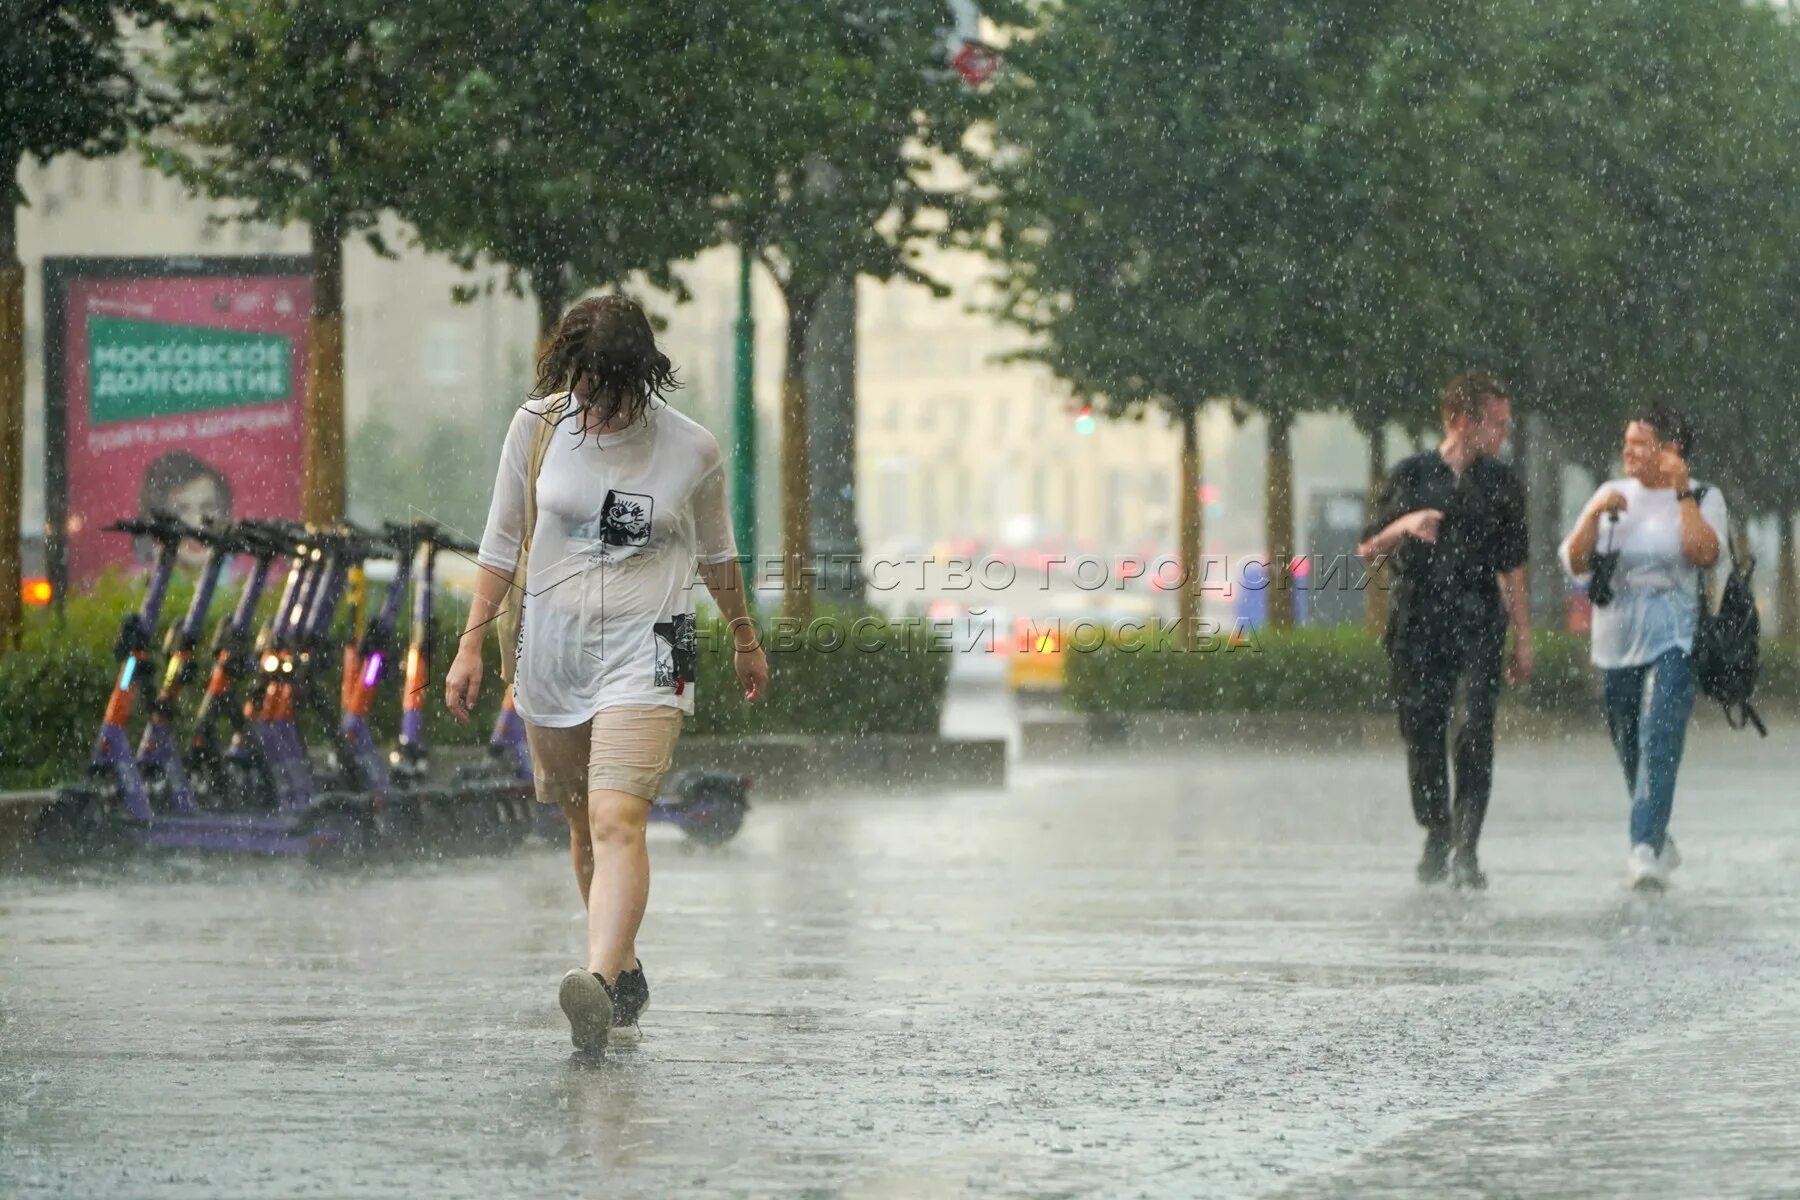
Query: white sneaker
{"type": "Point", "coordinates": [1643, 871]}
{"type": "Point", "coordinates": [1670, 858]}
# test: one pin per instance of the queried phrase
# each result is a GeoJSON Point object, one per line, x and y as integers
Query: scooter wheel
{"type": "Point", "coordinates": [713, 816]}
{"type": "Point", "coordinates": [82, 822]}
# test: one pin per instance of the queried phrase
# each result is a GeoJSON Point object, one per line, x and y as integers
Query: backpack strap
{"type": "Point", "coordinates": [1746, 718]}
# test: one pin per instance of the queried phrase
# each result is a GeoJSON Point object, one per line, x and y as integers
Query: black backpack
{"type": "Point", "coordinates": [1726, 648]}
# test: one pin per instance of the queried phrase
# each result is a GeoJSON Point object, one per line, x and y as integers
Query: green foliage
{"type": "Point", "coordinates": [291, 108]}
{"type": "Point", "coordinates": [1336, 670]}
{"type": "Point", "coordinates": [67, 82]}
{"type": "Point", "coordinates": [55, 687]}
{"type": "Point", "coordinates": [1304, 670]}
{"type": "Point", "coordinates": [1186, 222]}
{"type": "Point", "coordinates": [844, 674]}
{"type": "Point", "coordinates": [568, 141]}
{"type": "Point", "coordinates": [50, 707]}
{"type": "Point", "coordinates": [1312, 205]}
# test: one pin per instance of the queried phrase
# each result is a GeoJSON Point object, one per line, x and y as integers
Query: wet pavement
{"type": "Point", "coordinates": [1205, 974]}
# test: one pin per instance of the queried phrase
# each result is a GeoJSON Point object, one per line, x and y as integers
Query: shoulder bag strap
{"type": "Point", "coordinates": [507, 625]}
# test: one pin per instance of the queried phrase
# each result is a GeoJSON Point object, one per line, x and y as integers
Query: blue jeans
{"type": "Point", "coordinates": [1647, 712]}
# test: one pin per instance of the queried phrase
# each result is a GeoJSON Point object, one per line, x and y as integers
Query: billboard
{"type": "Point", "coordinates": [173, 385]}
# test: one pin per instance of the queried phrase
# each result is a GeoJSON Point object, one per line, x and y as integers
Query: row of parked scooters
{"type": "Point", "coordinates": [232, 771]}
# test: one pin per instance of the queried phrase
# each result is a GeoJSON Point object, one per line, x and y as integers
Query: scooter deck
{"type": "Point", "coordinates": [239, 833]}
{"type": "Point", "coordinates": [427, 820]}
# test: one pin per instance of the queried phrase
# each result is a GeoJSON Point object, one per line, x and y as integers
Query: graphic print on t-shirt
{"type": "Point", "coordinates": [625, 521]}
{"type": "Point", "coordinates": [676, 658]}
{"type": "Point", "coordinates": [623, 524]}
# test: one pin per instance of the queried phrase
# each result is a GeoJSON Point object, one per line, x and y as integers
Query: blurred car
{"type": "Point", "coordinates": [1062, 625]}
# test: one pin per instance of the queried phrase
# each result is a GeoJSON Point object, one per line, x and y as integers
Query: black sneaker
{"type": "Point", "coordinates": [588, 1004]}
{"type": "Point", "coordinates": [1434, 864]}
{"type": "Point", "coordinates": [631, 996]}
{"type": "Point", "coordinates": [1465, 872]}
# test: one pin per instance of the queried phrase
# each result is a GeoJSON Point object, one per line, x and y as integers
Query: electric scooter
{"type": "Point", "coordinates": [159, 759]}
{"type": "Point", "coordinates": [472, 812]}
{"type": "Point", "coordinates": [81, 815]}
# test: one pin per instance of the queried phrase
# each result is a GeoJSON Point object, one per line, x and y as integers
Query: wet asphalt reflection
{"type": "Point", "coordinates": [1208, 973]}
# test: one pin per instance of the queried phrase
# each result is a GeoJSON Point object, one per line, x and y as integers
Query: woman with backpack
{"type": "Point", "coordinates": [1640, 546]}
{"type": "Point", "coordinates": [606, 504]}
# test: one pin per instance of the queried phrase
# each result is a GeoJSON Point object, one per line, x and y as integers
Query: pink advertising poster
{"type": "Point", "coordinates": [174, 386]}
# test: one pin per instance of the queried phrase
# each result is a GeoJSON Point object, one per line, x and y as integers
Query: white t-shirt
{"type": "Point", "coordinates": [610, 583]}
{"type": "Point", "coordinates": [1656, 601]}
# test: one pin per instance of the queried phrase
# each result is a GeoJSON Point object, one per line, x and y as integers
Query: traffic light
{"type": "Point", "coordinates": [1084, 420]}
{"type": "Point", "coordinates": [35, 592]}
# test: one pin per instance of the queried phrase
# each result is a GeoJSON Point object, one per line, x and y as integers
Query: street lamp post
{"type": "Point", "coordinates": [743, 421]}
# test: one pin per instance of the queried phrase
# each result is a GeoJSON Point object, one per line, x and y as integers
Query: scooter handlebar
{"type": "Point", "coordinates": [159, 526]}
{"type": "Point", "coordinates": [427, 530]}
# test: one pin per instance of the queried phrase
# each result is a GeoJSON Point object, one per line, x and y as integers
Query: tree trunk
{"type": "Point", "coordinates": [12, 419]}
{"type": "Point", "coordinates": [1787, 578]}
{"type": "Point", "coordinates": [1377, 593]}
{"type": "Point", "coordinates": [796, 484]}
{"type": "Point", "coordinates": [1278, 517]}
{"type": "Point", "coordinates": [1192, 549]}
{"type": "Point", "coordinates": [324, 475]}
{"type": "Point", "coordinates": [552, 296]}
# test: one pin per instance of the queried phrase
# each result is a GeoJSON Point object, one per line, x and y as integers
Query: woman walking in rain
{"type": "Point", "coordinates": [1640, 546]}
{"type": "Point", "coordinates": [605, 502]}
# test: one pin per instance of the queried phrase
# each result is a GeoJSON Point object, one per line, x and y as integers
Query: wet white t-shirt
{"type": "Point", "coordinates": [1656, 598]}
{"type": "Point", "coordinates": [610, 585]}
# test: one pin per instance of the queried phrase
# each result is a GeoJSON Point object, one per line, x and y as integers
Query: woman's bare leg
{"type": "Point", "coordinates": [581, 844]}
{"type": "Point", "coordinates": [620, 886]}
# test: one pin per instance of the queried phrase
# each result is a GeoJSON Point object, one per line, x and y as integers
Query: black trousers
{"type": "Point", "coordinates": [1427, 675]}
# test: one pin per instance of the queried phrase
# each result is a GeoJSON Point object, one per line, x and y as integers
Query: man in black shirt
{"type": "Point", "coordinates": [1453, 520]}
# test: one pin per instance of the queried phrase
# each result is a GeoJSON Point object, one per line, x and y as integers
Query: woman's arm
{"type": "Point", "coordinates": [498, 553]}
{"type": "Point", "coordinates": [715, 550]}
{"type": "Point", "coordinates": [1577, 551]}
{"type": "Point", "coordinates": [1699, 543]}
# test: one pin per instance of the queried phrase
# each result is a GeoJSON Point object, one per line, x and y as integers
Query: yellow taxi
{"type": "Point", "coordinates": [1065, 625]}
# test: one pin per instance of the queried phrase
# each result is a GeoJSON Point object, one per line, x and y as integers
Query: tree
{"type": "Point", "coordinates": [1674, 126]}
{"type": "Point", "coordinates": [842, 124]}
{"type": "Point", "coordinates": [291, 106]}
{"type": "Point", "coordinates": [575, 170]}
{"type": "Point", "coordinates": [67, 85]}
{"type": "Point", "coordinates": [1181, 224]}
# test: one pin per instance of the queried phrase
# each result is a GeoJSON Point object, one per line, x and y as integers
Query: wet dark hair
{"type": "Point", "coordinates": [605, 344]}
{"type": "Point", "coordinates": [1464, 395]}
{"type": "Point", "coordinates": [1670, 424]}
{"type": "Point", "coordinates": [170, 472]}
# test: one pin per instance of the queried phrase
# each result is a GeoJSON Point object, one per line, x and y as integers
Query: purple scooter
{"type": "Point", "coordinates": [159, 758]}
{"type": "Point", "coordinates": [80, 814]}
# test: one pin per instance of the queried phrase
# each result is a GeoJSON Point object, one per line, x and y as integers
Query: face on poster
{"type": "Point", "coordinates": [183, 396]}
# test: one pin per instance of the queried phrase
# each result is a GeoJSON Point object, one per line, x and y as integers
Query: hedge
{"type": "Point", "coordinates": [1339, 670]}
{"type": "Point", "coordinates": [54, 687]}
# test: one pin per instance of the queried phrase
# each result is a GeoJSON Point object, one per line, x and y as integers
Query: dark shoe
{"type": "Point", "coordinates": [588, 1004]}
{"type": "Point", "coordinates": [1465, 872]}
{"type": "Point", "coordinates": [631, 996]}
{"type": "Point", "coordinates": [1434, 864]}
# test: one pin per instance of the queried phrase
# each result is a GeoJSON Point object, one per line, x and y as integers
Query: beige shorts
{"type": "Point", "coordinates": [626, 748]}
